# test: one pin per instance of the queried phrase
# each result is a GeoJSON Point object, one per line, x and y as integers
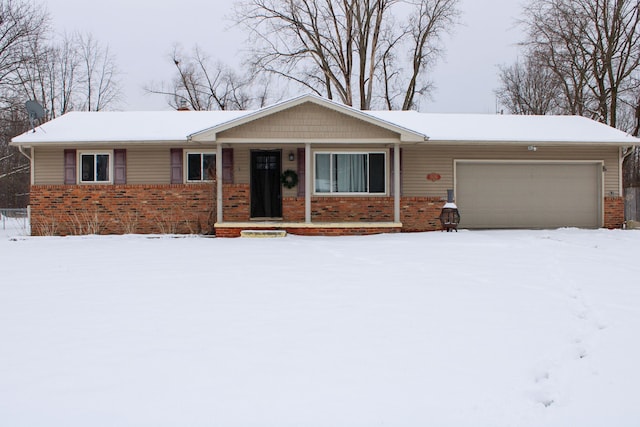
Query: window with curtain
{"type": "Point", "coordinates": [201, 166]}
{"type": "Point", "coordinates": [95, 167]}
{"type": "Point", "coordinates": [361, 172]}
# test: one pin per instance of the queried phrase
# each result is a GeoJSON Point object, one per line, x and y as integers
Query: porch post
{"type": "Point", "coordinates": [396, 183]}
{"type": "Point", "coordinates": [219, 199]}
{"type": "Point", "coordinates": [307, 183]}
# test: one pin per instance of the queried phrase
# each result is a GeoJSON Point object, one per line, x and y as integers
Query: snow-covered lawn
{"type": "Point", "coordinates": [487, 328]}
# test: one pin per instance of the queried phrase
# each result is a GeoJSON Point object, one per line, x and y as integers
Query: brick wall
{"type": "Point", "coordinates": [237, 202]}
{"type": "Point", "coordinates": [421, 213]}
{"type": "Point", "coordinates": [118, 209]}
{"type": "Point", "coordinates": [352, 209]}
{"type": "Point", "coordinates": [613, 212]}
{"type": "Point", "coordinates": [179, 208]}
{"type": "Point", "coordinates": [304, 231]}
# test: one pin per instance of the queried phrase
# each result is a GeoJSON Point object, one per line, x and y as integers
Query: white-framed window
{"type": "Point", "coordinates": [95, 167]}
{"type": "Point", "coordinates": [350, 172]}
{"type": "Point", "coordinates": [200, 166]}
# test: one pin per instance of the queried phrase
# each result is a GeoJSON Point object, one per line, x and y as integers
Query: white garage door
{"type": "Point", "coordinates": [528, 195]}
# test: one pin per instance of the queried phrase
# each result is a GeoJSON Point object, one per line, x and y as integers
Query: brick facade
{"type": "Point", "coordinates": [316, 231]}
{"type": "Point", "coordinates": [420, 213]}
{"type": "Point", "coordinates": [119, 209]}
{"type": "Point", "coordinates": [613, 212]}
{"type": "Point", "coordinates": [184, 209]}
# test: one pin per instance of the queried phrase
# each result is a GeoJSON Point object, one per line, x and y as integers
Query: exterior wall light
{"type": "Point", "coordinates": [291, 156]}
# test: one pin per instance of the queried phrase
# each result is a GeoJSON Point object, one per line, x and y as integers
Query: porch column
{"type": "Point", "coordinates": [219, 199]}
{"type": "Point", "coordinates": [307, 183]}
{"type": "Point", "coordinates": [396, 183]}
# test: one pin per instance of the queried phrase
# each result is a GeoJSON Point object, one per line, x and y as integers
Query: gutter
{"type": "Point", "coordinates": [21, 149]}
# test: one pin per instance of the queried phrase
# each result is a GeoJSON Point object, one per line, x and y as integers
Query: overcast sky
{"type": "Point", "coordinates": [142, 33]}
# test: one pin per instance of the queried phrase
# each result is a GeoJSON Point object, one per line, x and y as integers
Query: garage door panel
{"type": "Point", "coordinates": [528, 195]}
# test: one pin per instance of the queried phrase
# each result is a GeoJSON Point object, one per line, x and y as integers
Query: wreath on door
{"type": "Point", "coordinates": [289, 178]}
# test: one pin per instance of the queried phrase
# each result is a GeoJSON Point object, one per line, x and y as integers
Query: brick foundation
{"type": "Point", "coordinates": [613, 212]}
{"type": "Point", "coordinates": [317, 231]}
{"type": "Point", "coordinates": [237, 202]}
{"type": "Point", "coordinates": [421, 213]}
{"type": "Point", "coordinates": [184, 209]}
{"type": "Point", "coordinates": [121, 209]}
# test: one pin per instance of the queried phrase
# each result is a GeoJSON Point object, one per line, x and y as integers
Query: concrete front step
{"type": "Point", "coordinates": [263, 233]}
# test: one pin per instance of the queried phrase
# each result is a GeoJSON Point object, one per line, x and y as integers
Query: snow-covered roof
{"type": "Point", "coordinates": [128, 126]}
{"type": "Point", "coordinates": [180, 126]}
{"type": "Point", "coordinates": [506, 128]}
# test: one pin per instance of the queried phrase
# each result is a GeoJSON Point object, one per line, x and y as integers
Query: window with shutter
{"type": "Point", "coordinates": [119, 166]}
{"type": "Point", "coordinates": [176, 166]}
{"type": "Point", "coordinates": [200, 166]}
{"type": "Point", "coordinates": [96, 167]}
{"type": "Point", "coordinates": [70, 167]}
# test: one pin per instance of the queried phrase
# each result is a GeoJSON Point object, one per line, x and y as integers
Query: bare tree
{"type": "Point", "coordinates": [592, 47]}
{"type": "Point", "coordinates": [349, 50]}
{"type": "Point", "coordinates": [201, 84]}
{"type": "Point", "coordinates": [32, 66]}
{"type": "Point", "coordinates": [98, 77]}
{"type": "Point", "coordinates": [528, 88]}
{"type": "Point", "coordinates": [21, 25]}
{"type": "Point", "coordinates": [76, 73]}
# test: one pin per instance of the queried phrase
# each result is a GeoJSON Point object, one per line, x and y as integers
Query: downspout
{"type": "Point", "coordinates": [23, 153]}
{"type": "Point", "coordinates": [624, 153]}
{"type": "Point", "coordinates": [31, 171]}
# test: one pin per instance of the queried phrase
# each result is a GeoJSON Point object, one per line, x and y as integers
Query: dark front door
{"type": "Point", "coordinates": [266, 195]}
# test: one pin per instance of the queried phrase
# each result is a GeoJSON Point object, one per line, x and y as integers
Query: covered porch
{"type": "Point", "coordinates": [307, 211]}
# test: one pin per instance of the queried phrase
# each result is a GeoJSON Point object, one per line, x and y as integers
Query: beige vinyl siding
{"type": "Point", "coordinates": [145, 165]}
{"type": "Point", "coordinates": [419, 161]}
{"type": "Point", "coordinates": [307, 121]}
{"type": "Point", "coordinates": [48, 166]}
{"type": "Point", "coordinates": [241, 164]}
{"type": "Point", "coordinates": [148, 165]}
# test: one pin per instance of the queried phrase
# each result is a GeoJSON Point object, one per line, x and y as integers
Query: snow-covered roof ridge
{"type": "Point", "coordinates": [180, 126]}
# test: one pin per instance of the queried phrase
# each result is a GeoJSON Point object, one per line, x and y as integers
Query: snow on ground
{"type": "Point", "coordinates": [485, 328]}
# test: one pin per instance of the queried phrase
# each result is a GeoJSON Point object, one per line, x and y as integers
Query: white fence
{"type": "Point", "coordinates": [14, 219]}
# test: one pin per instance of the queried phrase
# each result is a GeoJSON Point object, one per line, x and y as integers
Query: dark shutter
{"type": "Point", "coordinates": [176, 166]}
{"type": "Point", "coordinates": [119, 166]}
{"type": "Point", "coordinates": [377, 173]}
{"type": "Point", "coordinates": [70, 167]}
{"type": "Point", "coordinates": [227, 165]}
{"type": "Point", "coordinates": [301, 172]}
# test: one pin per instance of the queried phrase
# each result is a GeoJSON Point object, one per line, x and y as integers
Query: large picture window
{"type": "Point", "coordinates": [350, 173]}
{"type": "Point", "coordinates": [201, 166]}
{"type": "Point", "coordinates": [95, 167]}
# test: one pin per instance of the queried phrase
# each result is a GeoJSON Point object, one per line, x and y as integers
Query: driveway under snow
{"type": "Point", "coordinates": [487, 328]}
